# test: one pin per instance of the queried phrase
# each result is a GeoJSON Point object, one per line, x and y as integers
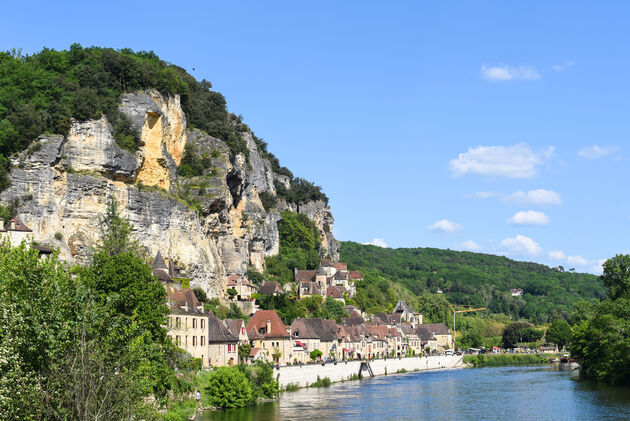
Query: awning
{"type": "Point", "coordinates": [346, 350]}
{"type": "Point", "coordinates": [298, 343]}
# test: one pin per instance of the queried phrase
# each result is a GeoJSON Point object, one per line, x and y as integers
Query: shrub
{"type": "Point", "coordinates": [325, 382]}
{"type": "Point", "coordinates": [228, 387]}
{"type": "Point", "coordinates": [58, 236]}
{"type": "Point", "coordinates": [291, 387]}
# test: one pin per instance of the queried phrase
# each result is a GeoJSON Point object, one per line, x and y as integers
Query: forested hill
{"type": "Point", "coordinates": [476, 279]}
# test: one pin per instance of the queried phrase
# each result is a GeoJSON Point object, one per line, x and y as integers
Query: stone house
{"type": "Point", "coordinates": [337, 293]}
{"type": "Point", "coordinates": [237, 328]}
{"type": "Point", "coordinates": [222, 345]}
{"type": "Point", "coordinates": [16, 231]}
{"type": "Point", "coordinates": [243, 287]}
{"type": "Point", "coordinates": [267, 332]}
{"type": "Point", "coordinates": [316, 333]}
{"type": "Point", "coordinates": [187, 323]}
{"type": "Point", "coordinates": [441, 333]}
{"type": "Point", "coordinates": [270, 288]}
{"type": "Point", "coordinates": [407, 314]}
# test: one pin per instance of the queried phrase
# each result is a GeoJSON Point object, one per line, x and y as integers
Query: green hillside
{"type": "Point", "coordinates": [476, 279]}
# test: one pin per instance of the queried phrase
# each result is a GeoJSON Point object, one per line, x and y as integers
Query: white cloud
{"type": "Point", "coordinates": [503, 73]}
{"type": "Point", "coordinates": [596, 151]}
{"type": "Point", "coordinates": [379, 242]}
{"type": "Point", "coordinates": [470, 245]}
{"type": "Point", "coordinates": [486, 194]}
{"type": "Point", "coordinates": [520, 245]}
{"type": "Point", "coordinates": [517, 161]}
{"type": "Point", "coordinates": [444, 225]}
{"type": "Point", "coordinates": [565, 65]}
{"type": "Point", "coordinates": [529, 217]}
{"type": "Point", "coordinates": [578, 261]}
{"type": "Point", "coordinates": [557, 255]}
{"type": "Point", "coordinates": [535, 197]}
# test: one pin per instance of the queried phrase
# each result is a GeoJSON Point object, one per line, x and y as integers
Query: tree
{"type": "Point", "coordinates": [333, 309]}
{"type": "Point", "coordinates": [232, 293]}
{"type": "Point", "coordinates": [228, 387]}
{"type": "Point", "coordinates": [200, 294]}
{"type": "Point", "coordinates": [559, 333]}
{"type": "Point", "coordinates": [512, 335]}
{"type": "Point", "coordinates": [276, 355]}
{"type": "Point", "coordinates": [315, 354]}
{"type": "Point", "coordinates": [616, 276]}
{"type": "Point", "coordinates": [116, 232]}
{"type": "Point", "coordinates": [244, 351]}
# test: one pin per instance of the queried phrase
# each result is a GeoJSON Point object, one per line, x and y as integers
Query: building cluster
{"type": "Point", "coordinates": [329, 280]}
{"type": "Point", "coordinates": [216, 342]}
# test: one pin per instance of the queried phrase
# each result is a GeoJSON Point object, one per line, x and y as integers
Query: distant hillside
{"type": "Point", "coordinates": [476, 279]}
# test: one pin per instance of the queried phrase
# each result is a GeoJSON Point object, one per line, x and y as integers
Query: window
{"type": "Point", "coordinates": [178, 322]}
{"type": "Point", "coordinates": [178, 340]}
{"type": "Point", "coordinates": [170, 322]}
{"type": "Point", "coordinates": [194, 339]}
{"type": "Point", "coordinates": [243, 330]}
{"type": "Point", "coordinates": [203, 339]}
{"type": "Point", "coordinates": [194, 323]}
{"type": "Point", "coordinates": [203, 323]}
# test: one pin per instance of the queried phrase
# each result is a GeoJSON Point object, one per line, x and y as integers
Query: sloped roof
{"type": "Point", "coordinates": [16, 224]}
{"type": "Point", "coordinates": [436, 328]}
{"type": "Point", "coordinates": [340, 276]}
{"type": "Point", "coordinates": [304, 275]}
{"type": "Point", "coordinates": [162, 275]}
{"type": "Point", "coordinates": [320, 270]}
{"type": "Point", "coordinates": [390, 319]}
{"type": "Point", "coordinates": [234, 326]}
{"type": "Point", "coordinates": [158, 262]}
{"type": "Point", "coordinates": [354, 274]}
{"type": "Point", "coordinates": [424, 334]}
{"type": "Point", "coordinates": [184, 301]}
{"type": "Point", "coordinates": [314, 328]}
{"type": "Point", "coordinates": [340, 266]}
{"type": "Point", "coordinates": [335, 292]}
{"type": "Point", "coordinates": [260, 319]}
{"type": "Point", "coordinates": [218, 332]}
{"type": "Point", "coordinates": [408, 330]}
{"type": "Point", "coordinates": [353, 320]}
{"type": "Point", "coordinates": [401, 307]}
{"type": "Point", "coordinates": [270, 287]}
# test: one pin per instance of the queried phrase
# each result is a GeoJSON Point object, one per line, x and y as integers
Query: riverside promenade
{"type": "Point", "coordinates": [305, 375]}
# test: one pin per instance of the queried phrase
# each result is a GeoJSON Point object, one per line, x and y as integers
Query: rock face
{"type": "Point", "coordinates": [211, 225]}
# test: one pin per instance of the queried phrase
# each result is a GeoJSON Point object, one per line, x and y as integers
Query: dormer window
{"type": "Point", "coordinates": [262, 330]}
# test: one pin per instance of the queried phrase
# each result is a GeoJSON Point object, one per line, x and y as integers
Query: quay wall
{"type": "Point", "coordinates": [305, 375]}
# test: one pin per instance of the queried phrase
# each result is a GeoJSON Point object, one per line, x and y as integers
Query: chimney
{"type": "Point", "coordinates": [268, 326]}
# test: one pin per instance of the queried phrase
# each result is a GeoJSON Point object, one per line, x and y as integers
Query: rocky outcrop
{"type": "Point", "coordinates": [211, 225]}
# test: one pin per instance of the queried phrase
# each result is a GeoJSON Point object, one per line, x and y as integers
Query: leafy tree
{"type": "Point", "coordinates": [513, 334]}
{"type": "Point", "coordinates": [559, 333]}
{"type": "Point", "coordinates": [333, 309]}
{"type": "Point", "coordinates": [243, 352]}
{"type": "Point", "coordinates": [315, 354]}
{"type": "Point", "coordinates": [616, 276]}
{"type": "Point", "coordinates": [276, 355]}
{"type": "Point", "coordinates": [200, 294]}
{"type": "Point", "coordinates": [232, 293]}
{"type": "Point", "coordinates": [228, 387]}
{"type": "Point", "coordinates": [116, 232]}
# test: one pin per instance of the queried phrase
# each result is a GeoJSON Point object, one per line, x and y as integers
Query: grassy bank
{"type": "Point", "coordinates": [497, 360]}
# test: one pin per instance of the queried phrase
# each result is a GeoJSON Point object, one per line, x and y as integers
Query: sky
{"type": "Point", "coordinates": [491, 126]}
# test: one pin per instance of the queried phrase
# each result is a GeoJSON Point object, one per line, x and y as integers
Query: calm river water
{"type": "Point", "coordinates": [496, 393]}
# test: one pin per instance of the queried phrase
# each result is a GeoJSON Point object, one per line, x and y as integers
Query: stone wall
{"type": "Point", "coordinates": [307, 374]}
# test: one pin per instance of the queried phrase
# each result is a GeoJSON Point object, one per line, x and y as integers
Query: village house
{"type": "Point", "coordinates": [406, 314]}
{"type": "Point", "coordinates": [167, 272]}
{"type": "Point", "coordinates": [222, 344]}
{"type": "Point", "coordinates": [516, 292]}
{"type": "Point", "coordinates": [441, 333]}
{"type": "Point", "coordinates": [328, 274]}
{"type": "Point", "coordinates": [267, 332]}
{"type": "Point", "coordinates": [270, 288]}
{"type": "Point", "coordinates": [315, 333]}
{"type": "Point", "coordinates": [237, 328]}
{"type": "Point", "coordinates": [187, 323]}
{"type": "Point", "coordinates": [15, 231]}
{"type": "Point", "coordinates": [337, 293]}
{"type": "Point", "coordinates": [243, 287]}
{"type": "Point", "coordinates": [354, 319]}
{"type": "Point", "coordinates": [426, 340]}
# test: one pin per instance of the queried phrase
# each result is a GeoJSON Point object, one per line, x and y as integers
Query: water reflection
{"type": "Point", "coordinates": [503, 393]}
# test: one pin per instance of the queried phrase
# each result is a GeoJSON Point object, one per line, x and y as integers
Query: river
{"type": "Point", "coordinates": [494, 393]}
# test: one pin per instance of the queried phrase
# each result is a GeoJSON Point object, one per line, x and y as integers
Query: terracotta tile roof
{"type": "Point", "coordinates": [184, 301]}
{"type": "Point", "coordinates": [254, 352]}
{"type": "Point", "coordinates": [335, 292]}
{"type": "Point", "coordinates": [354, 274]}
{"type": "Point", "coordinates": [394, 332]}
{"type": "Point", "coordinates": [305, 275]}
{"type": "Point", "coordinates": [340, 266]}
{"type": "Point", "coordinates": [16, 224]}
{"type": "Point", "coordinates": [259, 320]}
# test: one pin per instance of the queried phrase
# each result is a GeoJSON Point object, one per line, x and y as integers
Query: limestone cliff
{"type": "Point", "coordinates": [211, 225]}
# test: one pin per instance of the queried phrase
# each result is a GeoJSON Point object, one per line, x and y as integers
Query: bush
{"type": "Point", "coordinates": [291, 387]}
{"type": "Point", "coordinates": [228, 387]}
{"type": "Point", "coordinates": [325, 382]}
{"type": "Point", "coordinates": [498, 360]}
{"type": "Point", "coordinates": [58, 236]}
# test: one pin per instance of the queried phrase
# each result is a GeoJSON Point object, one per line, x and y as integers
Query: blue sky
{"type": "Point", "coordinates": [493, 127]}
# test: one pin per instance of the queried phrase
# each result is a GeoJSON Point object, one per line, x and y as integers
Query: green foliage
{"type": "Point", "coordinates": [315, 354]}
{"type": "Point", "coordinates": [200, 294]}
{"type": "Point", "coordinates": [291, 387]}
{"type": "Point", "coordinates": [514, 334]}
{"type": "Point", "coordinates": [58, 236]}
{"type": "Point", "coordinates": [559, 333]}
{"type": "Point", "coordinates": [334, 310]}
{"type": "Point", "coordinates": [194, 163]}
{"type": "Point", "coordinates": [300, 191]}
{"type": "Point", "coordinates": [600, 339]}
{"type": "Point", "coordinates": [475, 279]}
{"type": "Point", "coordinates": [232, 292]}
{"type": "Point", "coordinates": [325, 382]}
{"type": "Point", "coordinates": [243, 352]}
{"type": "Point", "coordinates": [116, 232]}
{"type": "Point", "coordinates": [299, 247]}
{"type": "Point", "coordinates": [255, 277]}
{"type": "Point", "coordinates": [497, 360]}
{"type": "Point", "coordinates": [268, 200]}
{"type": "Point", "coordinates": [229, 387]}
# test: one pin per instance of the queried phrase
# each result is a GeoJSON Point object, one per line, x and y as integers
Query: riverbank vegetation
{"type": "Point", "coordinates": [497, 360]}
{"type": "Point", "coordinates": [601, 331]}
